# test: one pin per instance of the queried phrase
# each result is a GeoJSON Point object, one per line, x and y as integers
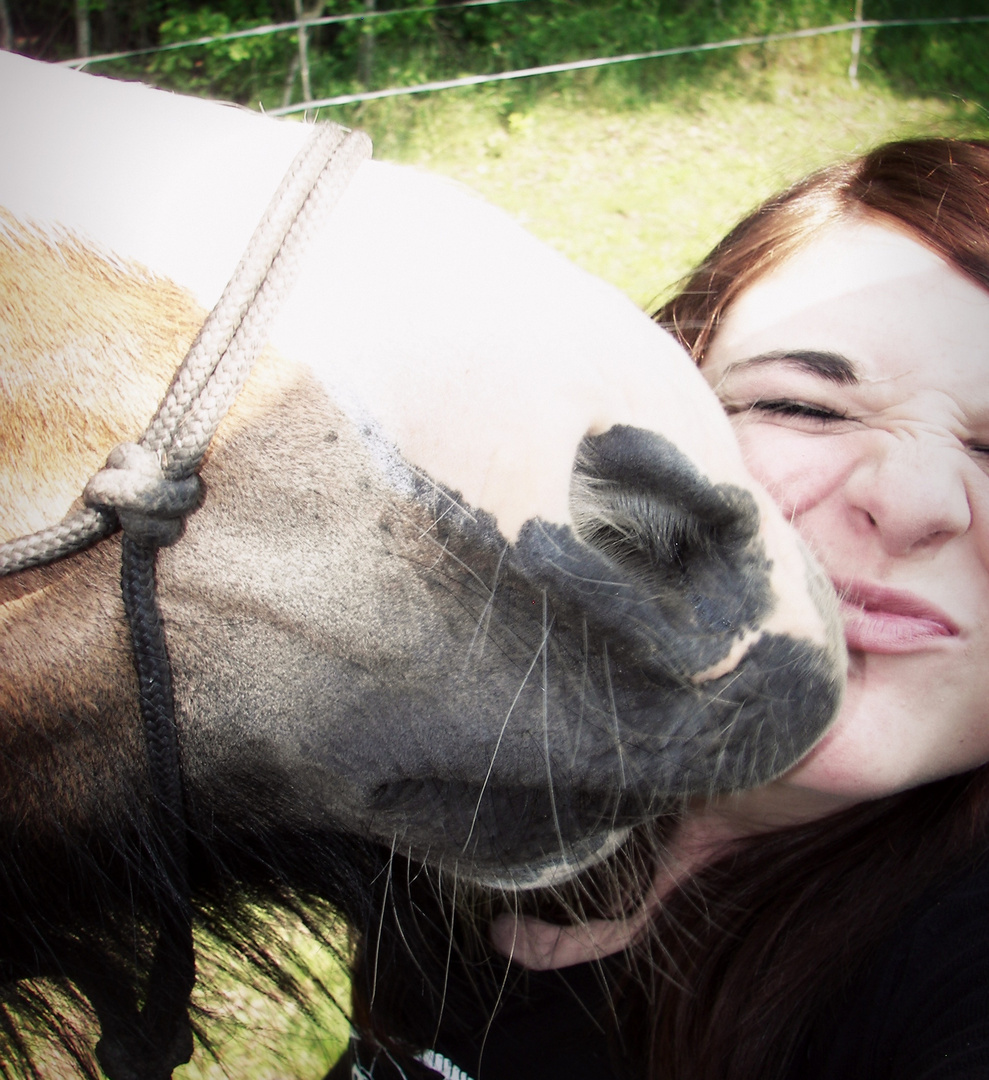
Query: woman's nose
{"type": "Point", "coordinates": [911, 491]}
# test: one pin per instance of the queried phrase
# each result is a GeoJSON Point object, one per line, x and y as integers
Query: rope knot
{"type": "Point", "coordinates": [151, 508]}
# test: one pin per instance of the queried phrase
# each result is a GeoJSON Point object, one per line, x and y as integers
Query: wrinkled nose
{"type": "Point", "coordinates": [910, 491]}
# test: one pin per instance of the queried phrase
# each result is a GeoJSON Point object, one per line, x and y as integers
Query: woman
{"type": "Point", "coordinates": [835, 923]}
{"type": "Point", "coordinates": [846, 328]}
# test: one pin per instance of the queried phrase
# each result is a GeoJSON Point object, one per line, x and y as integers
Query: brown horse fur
{"type": "Point", "coordinates": [68, 316]}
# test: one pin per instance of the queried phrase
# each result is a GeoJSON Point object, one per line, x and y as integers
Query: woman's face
{"type": "Point", "coordinates": [857, 378]}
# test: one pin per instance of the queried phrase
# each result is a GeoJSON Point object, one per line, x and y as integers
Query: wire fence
{"type": "Point", "coordinates": [606, 61]}
{"type": "Point", "coordinates": [854, 27]}
{"type": "Point", "coordinates": [280, 28]}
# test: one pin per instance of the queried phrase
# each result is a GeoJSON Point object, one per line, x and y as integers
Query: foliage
{"type": "Point", "coordinates": [430, 39]}
{"type": "Point", "coordinates": [236, 68]}
{"type": "Point", "coordinates": [936, 59]}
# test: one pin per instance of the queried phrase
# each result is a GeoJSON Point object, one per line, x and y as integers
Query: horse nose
{"type": "Point", "coordinates": [690, 549]}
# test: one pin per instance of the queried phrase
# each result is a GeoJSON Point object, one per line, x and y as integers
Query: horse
{"type": "Point", "coordinates": [475, 575]}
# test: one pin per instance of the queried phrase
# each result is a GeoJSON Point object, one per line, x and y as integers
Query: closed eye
{"type": "Point", "coordinates": [792, 408]}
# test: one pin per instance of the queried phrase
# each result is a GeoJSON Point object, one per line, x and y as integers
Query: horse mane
{"type": "Point", "coordinates": [251, 943]}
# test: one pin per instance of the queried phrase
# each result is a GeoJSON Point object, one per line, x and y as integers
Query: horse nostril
{"type": "Point", "coordinates": [691, 546]}
{"type": "Point", "coordinates": [643, 532]}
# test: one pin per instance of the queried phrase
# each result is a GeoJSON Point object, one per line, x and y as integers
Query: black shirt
{"type": "Point", "coordinates": [917, 1010]}
{"type": "Point", "coordinates": [544, 1024]}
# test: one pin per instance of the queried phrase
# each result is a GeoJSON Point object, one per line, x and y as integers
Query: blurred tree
{"type": "Point", "coordinates": [82, 28]}
{"type": "Point", "coordinates": [6, 29]}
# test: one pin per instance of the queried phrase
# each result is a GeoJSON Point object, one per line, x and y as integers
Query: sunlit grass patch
{"type": "Point", "coordinates": [266, 1034]}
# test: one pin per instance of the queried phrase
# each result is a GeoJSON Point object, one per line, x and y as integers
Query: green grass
{"type": "Point", "coordinates": [266, 1035]}
{"type": "Point", "coordinates": [635, 190]}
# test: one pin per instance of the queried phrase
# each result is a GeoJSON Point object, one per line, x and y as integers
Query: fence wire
{"type": "Point", "coordinates": [605, 61]}
{"type": "Point", "coordinates": [280, 28]}
{"type": "Point", "coordinates": [855, 27]}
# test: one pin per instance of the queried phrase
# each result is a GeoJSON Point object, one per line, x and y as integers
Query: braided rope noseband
{"type": "Point", "coordinates": [148, 488]}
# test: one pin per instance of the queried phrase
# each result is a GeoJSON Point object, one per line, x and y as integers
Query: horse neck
{"type": "Point", "coordinates": [89, 347]}
{"type": "Point", "coordinates": [71, 742]}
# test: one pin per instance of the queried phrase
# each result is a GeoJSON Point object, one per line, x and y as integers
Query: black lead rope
{"type": "Point", "coordinates": [152, 1041]}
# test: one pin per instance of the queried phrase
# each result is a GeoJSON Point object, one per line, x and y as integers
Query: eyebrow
{"type": "Point", "coordinates": [827, 365]}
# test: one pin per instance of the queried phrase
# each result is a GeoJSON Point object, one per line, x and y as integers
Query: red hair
{"type": "Point", "coordinates": [935, 189]}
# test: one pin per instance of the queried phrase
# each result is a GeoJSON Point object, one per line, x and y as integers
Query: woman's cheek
{"type": "Point", "coordinates": [798, 469]}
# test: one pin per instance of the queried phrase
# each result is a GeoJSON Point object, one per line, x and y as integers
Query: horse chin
{"type": "Point", "coordinates": [550, 871]}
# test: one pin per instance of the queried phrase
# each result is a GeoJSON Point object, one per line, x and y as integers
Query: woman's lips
{"type": "Point", "coordinates": [881, 620]}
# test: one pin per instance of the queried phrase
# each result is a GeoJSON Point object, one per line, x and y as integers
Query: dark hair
{"type": "Point", "coordinates": [936, 189]}
{"type": "Point", "coordinates": [747, 950]}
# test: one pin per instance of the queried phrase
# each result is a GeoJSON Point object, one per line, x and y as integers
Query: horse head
{"type": "Point", "coordinates": [478, 573]}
